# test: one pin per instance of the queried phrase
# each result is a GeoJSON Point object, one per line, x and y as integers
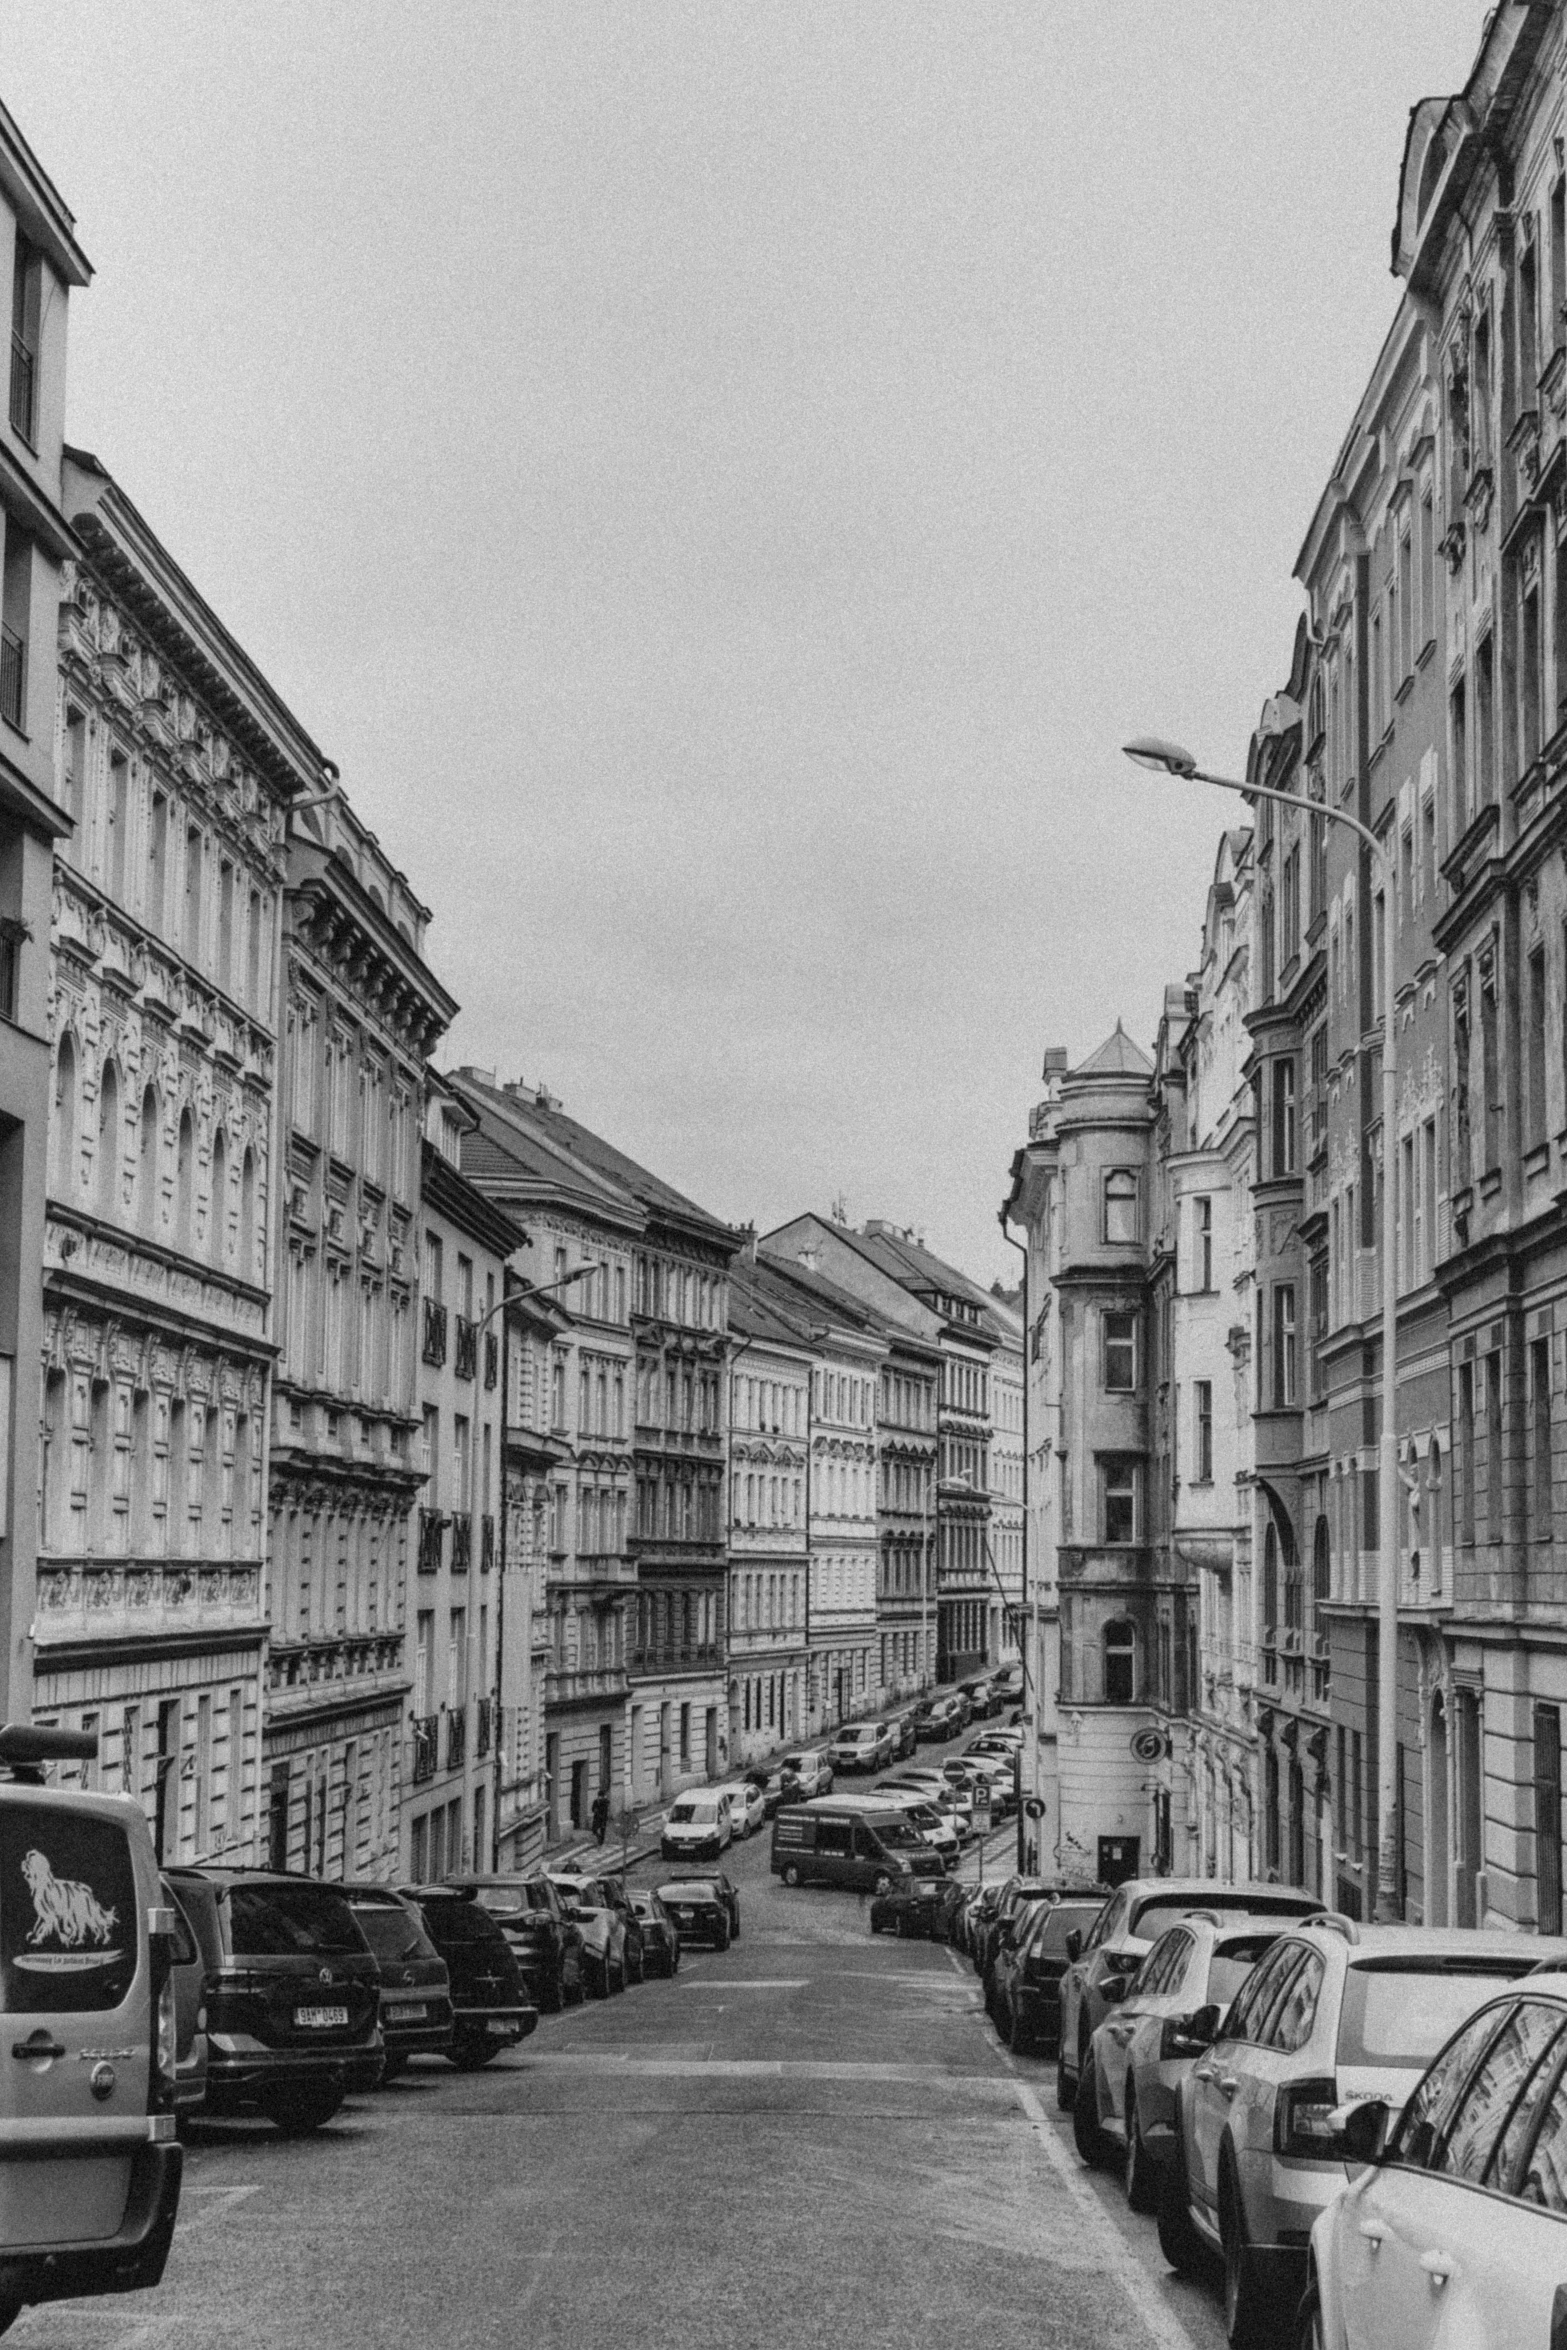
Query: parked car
{"type": "Point", "coordinates": [728, 1893]}
{"type": "Point", "coordinates": [934, 1826]}
{"type": "Point", "coordinates": [293, 1994]}
{"type": "Point", "coordinates": [1334, 2014]}
{"type": "Point", "coordinates": [611, 1932]}
{"type": "Point", "coordinates": [772, 1793]}
{"type": "Point", "coordinates": [955, 1804]}
{"type": "Point", "coordinates": [697, 1826]}
{"type": "Point", "coordinates": [900, 1729]}
{"type": "Point", "coordinates": [490, 2006]}
{"type": "Point", "coordinates": [747, 1809]}
{"type": "Point", "coordinates": [1025, 1986]}
{"type": "Point", "coordinates": [860, 1746]}
{"type": "Point", "coordinates": [660, 1935]}
{"type": "Point", "coordinates": [805, 1774]}
{"type": "Point", "coordinates": [982, 1695]}
{"type": "Point", "coordinates": [1127, 1928]}
{"type": "Point", "coordinates": [188, 1975]}
{"type": "Point", "coordinates": [1453, 2233]}
{"type": "Point", "coordinates": [92, 2170]}
{"type": "Point", "coordinates": [1008, 1683]}
{"type": "Point", "coordinates": [1017, 1895]}
{"type": "Point", "coordinates": [531, 1912]}
{"type": "Point", "coordinates": [416, 1990]}
{"type": "Point", "coordinates": [979, 1907]}
{"type": "Point", "coordinates": [945, 1719]}
{"type": "Point", "coordinates": [917, 1906]}
{"type": "Point", "coordinates": [1142, 2051]}
{"type": "Point", "coordinates": [699, 1909]}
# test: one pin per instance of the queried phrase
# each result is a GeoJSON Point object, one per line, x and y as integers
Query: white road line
{"type": "Point", "coordinates": [750, 2068]}
{"type": "Point", "coordinates": [1164, 2327]}
{"type": "Point", "coordinates": [216, 2202]}
{"type": "Point", "coordinates": [760, 1983]}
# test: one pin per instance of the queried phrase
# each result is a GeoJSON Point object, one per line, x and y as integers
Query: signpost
{"type": "Point", "coordinates": [982, 1824]}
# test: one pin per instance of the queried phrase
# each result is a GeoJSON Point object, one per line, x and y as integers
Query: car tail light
{"type": "Point", "coordinates": [1303, 2121]}
{"type": "Point", "coordinates": [165, 2051]}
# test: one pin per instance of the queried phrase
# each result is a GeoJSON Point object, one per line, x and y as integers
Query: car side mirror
{"type": "Point", "coordinates": [1189, 2035]}
{"type": "Point", "coordinates": [1114, 1987]}
{"type": "Point", "coordinates": [1074, 1943]}
{"type": "Point", "coordinates": [1365, 2131]}
{"type": "Point", "coordinates": [1203, 2027]}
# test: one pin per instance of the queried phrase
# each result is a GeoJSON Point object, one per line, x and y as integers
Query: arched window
{"type": "Point", "coordinates": [249, 1268]}
{"type": "Point", "coordinates": [185, 1179]}
{"type": "Point", "coordinates": [1120, 1652]}
{"type": "Point", "coordinates": [218, 1237]}
{"type": "Point", "coordinates": [1120, 1205]}
{"type": "Point", "coordinates": [1270, 1581]}
{"type": "Point", "coordinates": [65, 1116]}
{"type": "Point", "coordinates": [147, 1162]}
{"type": "Point", "coordinates": [107, 1170]}
{"type": "Point", "coordinates": [1321, 1564]}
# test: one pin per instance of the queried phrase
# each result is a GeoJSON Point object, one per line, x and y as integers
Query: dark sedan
{"type": "Point", "coordinates": [1015, 1895]}
{"type": "Point", "coordinates": [548, 1945]}
{"type": "Point", "coordinates": [700, 1912]}
{"type": "Point", "coordinates": [1025, 1996]}
{"type": "Point", "coordinates": [945, 1719]}
{"type": "Point", "coordinates": [728, 1893]}
{"type": "Point", "coordinates": [660, 1934]}
{"type": "Point", "coordinates": [416, 1990]}
{"type": "Point", "coordinates": [491, 2009]}
{"type": "Point", "coordinates": [928, 1908]}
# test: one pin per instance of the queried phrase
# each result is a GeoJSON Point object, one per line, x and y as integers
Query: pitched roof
{"type": "Point", "coordinates": [552, 1130]}
{"type": "Point", "coordinates": [519, 1167]}
{"type": "Point", "coordinates": [1118, 1056]}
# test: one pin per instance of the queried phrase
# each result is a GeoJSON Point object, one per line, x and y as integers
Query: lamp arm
{"type": "Point", "coordinates": [1293, 799]}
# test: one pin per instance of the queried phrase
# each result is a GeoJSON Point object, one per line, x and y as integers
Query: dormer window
{"type": "Point", "coordinates": [26, 277]}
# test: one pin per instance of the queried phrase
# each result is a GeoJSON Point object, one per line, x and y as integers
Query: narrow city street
{"type": "Point", "coordinates": [814, 2137]}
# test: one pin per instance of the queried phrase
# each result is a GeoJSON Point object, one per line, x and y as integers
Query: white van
{"type": "Point", "coordinates": [697, 1826]}
{"type": "Point", "coordinates": [91, 2167]}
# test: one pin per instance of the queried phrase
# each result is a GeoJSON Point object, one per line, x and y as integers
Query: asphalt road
{"type": "Point", "coordinates": [814, 2139]}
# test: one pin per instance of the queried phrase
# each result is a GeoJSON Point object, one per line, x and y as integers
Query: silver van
{"type": "Point", "coordinates": [92, 2169]}
{"type": "Point", "coordinates": [835, 1840]}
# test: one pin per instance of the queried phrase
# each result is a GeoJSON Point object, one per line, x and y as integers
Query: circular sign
{"type": "Point", "coordinates": [1035, 1807]}
{"type": "Point", "coordinates": [1148, 1746]}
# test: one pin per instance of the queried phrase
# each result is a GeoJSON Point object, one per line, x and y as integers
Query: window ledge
{"type": "Point", "coordinates": [1537, 1158]}
{"type": "Point", "coordinates": [1405, 687]}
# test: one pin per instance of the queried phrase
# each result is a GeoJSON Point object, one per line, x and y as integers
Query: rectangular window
{"type": "Point", "coordinates": [226, 927]}
{"type": "Point", "coordinates": [16, 589]}
{"type": "Point", "coordinates": [1466, 1453]}
{"type": "Point", "coordinates": [26, 304]}
{"type": "Point", "coordinates": [1283, 1345]}
{"type": "Point", "coordinates": [1537, 1129]}
{"type": "Point", "coordinates": [1203, 1392]}
{"type": "Point", "coordinates": [1283, 1118]}
{"type": "Point", "coordinates": [1407, 1165]}
{"type": "Point", "coordinates": [191, 934]}
{"type": "Point", "coordinates": [1120, 1342]}
{"type": "Point", "coordinates": [1548, 1817]}
{"type": "Point", "coordinates": [1491, 1071]}
{"type": "Point", "coordinates": [1541, 1439]}
{"type": "Point", "coordinates": [1120, 1206]}
{"type": "Point", "coordinates": [117, 812]}
{"type": "Point", "coordinates": [1406, 606]}
{"type": "Point", "coordinates": [1495, 1480]}
{"type": "Point", "coordinates": [1427, 570]}
{"type": "Point", "coordinates": [1529, 663]}
{"type": "Point", "coordinates": [1426, 1205]}
{"type": "Point", "coordinates": [1120, 1500]}
{"type": "Point", "coordinates": [1485, 723]}
{"type": "Point", "coordinates": [1429, 869]}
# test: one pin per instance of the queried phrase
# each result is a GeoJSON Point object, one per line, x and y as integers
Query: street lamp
{"type": "Point", "coordinates": [1171, 759]}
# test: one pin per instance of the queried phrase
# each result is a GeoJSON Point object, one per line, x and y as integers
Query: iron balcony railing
{"type": "Point", "coordinates": [431, 1524]}
{"type": "Point", "coordinates": [483, 1727]}
{"type": "Point", "coordinates": [487, 1544]}
{"type": "Point", "coordinates": [427, 1733]}
{"type": "Point", "coordinates": [24, 387]}
{"type": "Point", "coordinates": [13, 678]}
{"type": "Point", "coordinates": [434, 1331]}
{"type": "Point", "coordinates": [462, 1542]}
{"type": "Point", "coordinates": [467, 1364]}
{"type": "Point", "coordinates": [456, 1737]}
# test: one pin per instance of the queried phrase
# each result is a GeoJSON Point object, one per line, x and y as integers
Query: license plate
{"type": "Point", "coordinates": [413, 2013]}
{"type": "Point", "coordinates": [684, 1917]}
{"type": "Point", "coordinates": [501, 2028]}
{"type": "Point", "coordinates": [321, 2018]}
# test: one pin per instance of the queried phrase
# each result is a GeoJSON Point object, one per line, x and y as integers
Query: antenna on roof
{"type": "Point", "coordinates": [840, 1208]}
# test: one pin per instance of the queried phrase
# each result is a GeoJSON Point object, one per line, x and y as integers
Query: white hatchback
{"type": "Point", "coordinates": [747, 1805]}
{"type": "Point", "coordinates": [1457, 2232]}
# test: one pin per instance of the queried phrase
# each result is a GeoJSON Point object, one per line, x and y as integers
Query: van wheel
{"type": "Point", "coordinates": [296, 2112]}
{"type": "Point", "coordinates": [791, 1875]}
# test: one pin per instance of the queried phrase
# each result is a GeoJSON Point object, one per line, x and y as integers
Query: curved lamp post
{"type": "Point", "coordinates": [1171, 759]}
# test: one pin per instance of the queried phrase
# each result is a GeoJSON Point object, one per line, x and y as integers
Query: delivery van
{"type": "Point", "coordinates": [830, 1841]}
{"type": "Point", "coordinates": [87, 2120]}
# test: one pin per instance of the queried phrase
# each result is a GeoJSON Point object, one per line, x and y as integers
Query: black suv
{"type": "Point", "coordinates": [490, 2004]}
{"type": "Point", "coordinates": [548, 1946]}
{"type": "Point", "coordinates": [293, 1993]}
{"type": "Point", "coordinates": [416, 1991]}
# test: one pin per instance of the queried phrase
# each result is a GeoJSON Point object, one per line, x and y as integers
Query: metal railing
{"type": "Point", "coordinates": [483, 1727]}
{"type": "Point", "coordinates": [24, 387]}
{"type": "Point", "coordinates": [13, 678]}
{"type": "Point", "coordinates": [431, 1526]}
{"type": "Point", "coordinates": [462, 1542]}
{"type": "Point", "coordinates": [427, 1734]}
{"type": "Point", "coordinates": [456, 1737]}
{"type": "Point", "coordinates": [467, 1363]}
{"type": "Point", "coordinates": [434, 1331]}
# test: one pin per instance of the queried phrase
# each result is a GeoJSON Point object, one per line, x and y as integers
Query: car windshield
{"type": "Point", "coordinates": [1060, 1920]}
{"type": "Point", "coordinates": [508, 1901]}
{"type": "Point", "coordinates": [1231, 1963]}
{"type": "Point", "coordinates": [459, 1921]}
{"type": "Point", "coordinates": [291, 1921]}
{"type": "Point", "coordinates": [1402, 2015]}
{"type": "Point", "coordinates": [391, 1931]}
{"type": "Point", "coordinates": [1168, 1909]}
{"type": "Point", "coordinates": [686, 1894]}
{"type": "Point", "coordinates": [688, 1809]}
{"type": "Point", "coordinates": [897, 1834]}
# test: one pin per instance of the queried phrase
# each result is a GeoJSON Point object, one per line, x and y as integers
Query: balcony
{"type": "Point", "coordinates": [435, 1332]}
{"type": "Point", "coordinates": [427, 1733]}
{"type": "Point", "coordinates": [13, 679]}
{"type": "Point", "coordinates": [24, 388]}
{"type": "Point", "coordinates": [431, 1527]}
{"type": "Point", "coordinates": [492, 1358]}
{"type": "Point", "coordinates": [483, 1727]}
{"type": "Point", "coordinates": [467, 1363]}
{"type": "Point", "coordinates": [486, 1543]}
{"type": "Point", "coordinates": [462, 1542]}
{"type": "Point", "coordinates": [456, 1737]}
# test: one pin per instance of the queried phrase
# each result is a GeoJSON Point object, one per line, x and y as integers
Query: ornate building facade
{"type": "Point", "coordinates": [175, 763]}
{"type": "Point", "coordinates": [770, 1373]}
{"type": "Point", "coordinates": [362, 1012]}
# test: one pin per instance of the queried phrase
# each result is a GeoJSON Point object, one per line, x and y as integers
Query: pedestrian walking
{"type": "Point", "coordinates": [600, 1816]}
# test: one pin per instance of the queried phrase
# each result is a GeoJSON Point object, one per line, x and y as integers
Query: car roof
{"type": "Point", "coordinates": [707, 1884]}
{"type": "Point", "coordinates": [1373, 1942]}
{"type": "Point", "coordinates": [388, 1895]}
{"type": "Point", "coordinates": [1220, 1896]}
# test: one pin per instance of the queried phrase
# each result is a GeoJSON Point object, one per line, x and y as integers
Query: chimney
{"type": "Point", "coordinates": [545, 1099]}
{"type": "Point", "coordinates": [747, 1234]}
{"type": "Point", "coordinates": [1055, 1061]}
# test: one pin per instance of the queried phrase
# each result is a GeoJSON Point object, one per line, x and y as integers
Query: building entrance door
{"type": "Point", "coordinates": [1118, 1858]}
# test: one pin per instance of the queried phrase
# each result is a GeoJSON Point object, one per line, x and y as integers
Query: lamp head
{"type": "Point", "coordinates": [1164, 758]}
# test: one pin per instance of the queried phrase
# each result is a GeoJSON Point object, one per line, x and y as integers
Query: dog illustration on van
{"type": "Point", "coordinates": [64, 1910]}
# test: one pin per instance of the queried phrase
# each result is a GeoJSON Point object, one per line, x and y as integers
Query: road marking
{"type": "Point", "coordinates": [218, 2201]}
{"type": "Point", "coordinates": [759, 1983]}
{"type": "Point", "coordinates": [751, 2068]}
{"type": "Point", "coordinates": [1164, 2327]}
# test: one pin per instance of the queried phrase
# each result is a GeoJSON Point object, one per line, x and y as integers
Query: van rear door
{"type": "Point", "coordinates": [76, 2012]}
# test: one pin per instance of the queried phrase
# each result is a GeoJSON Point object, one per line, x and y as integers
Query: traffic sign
{"type": "Point", "coordinates": [982, 1813]}
{"type": "Point", "coordinates": [1035, 1807]}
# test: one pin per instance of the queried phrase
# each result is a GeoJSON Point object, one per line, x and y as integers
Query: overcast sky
{"type": "Point", "coordinates": [722, 480]}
